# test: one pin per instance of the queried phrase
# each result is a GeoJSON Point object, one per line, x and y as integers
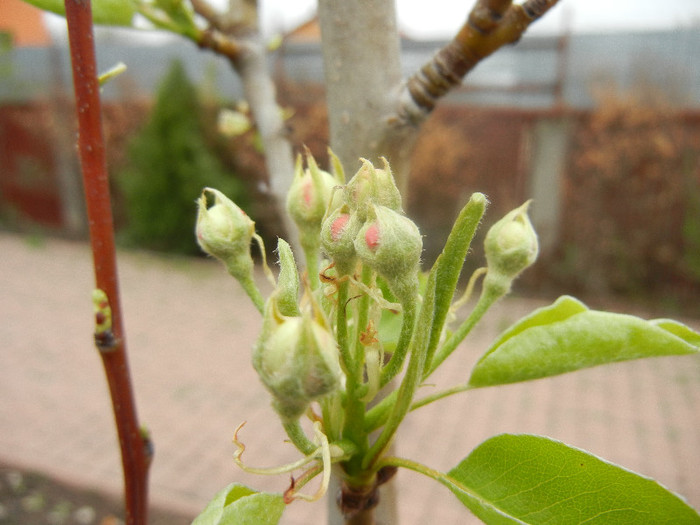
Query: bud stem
{"type": "Point", "coordinates": [341, 328]}
{"type": "Point", "coordinates": [368, 277]}
{"type": "Point", "coordinates": [355, 407]}
{"type": "Point", "coordinates": [410, 382]}
{"type": "Point", "coordinates": [298, 437]}
{"type": "Point", "coordinates": [394, 365]}
{"type": "Point", "coordinates": [489, 295]}
{"type": "Point", "coordinates": [248, 284]}
{"type": "Point", "coordinates": [311, 245]}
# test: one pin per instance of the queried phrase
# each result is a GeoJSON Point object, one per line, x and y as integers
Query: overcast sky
{"type": "Point", "coordinates": [441, 18]}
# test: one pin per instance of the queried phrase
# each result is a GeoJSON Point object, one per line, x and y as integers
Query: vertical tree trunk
{"type": "Point", "coordinates": [362, 67]}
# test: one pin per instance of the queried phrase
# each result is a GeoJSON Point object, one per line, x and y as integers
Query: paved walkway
{"type": "Point", "coordinates": [190, 331]}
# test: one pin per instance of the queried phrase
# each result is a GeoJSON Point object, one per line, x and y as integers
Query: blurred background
{"type": "Point", "coordinates": [595, 115]}
{"type": "Point", "coordinates": [601, 129]}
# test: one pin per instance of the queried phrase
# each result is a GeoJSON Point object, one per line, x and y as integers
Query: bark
{"type": "Point", "coordinates": [362, 69]}
{"type": "Point", "coordinates": [136, 451]}
{"type": "Point", "coordinates": [260, 93]}
{"type": "Point", "coordinates": [361, 58]}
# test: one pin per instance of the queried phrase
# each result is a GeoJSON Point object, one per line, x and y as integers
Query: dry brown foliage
{"type": "Point", "coordinates": [625, 193]}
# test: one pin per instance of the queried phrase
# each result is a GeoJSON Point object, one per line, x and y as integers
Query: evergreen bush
{"type": "Point", "coordinates": [169, 161]}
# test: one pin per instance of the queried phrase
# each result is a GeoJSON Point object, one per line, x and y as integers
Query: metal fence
{"type": "Point", "coordinates": [537, 72]}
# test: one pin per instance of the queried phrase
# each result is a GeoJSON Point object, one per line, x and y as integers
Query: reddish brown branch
{"type": "Point", "coordinates": [134, 447]}
{"type": "Point", "coordinates": [490, 25]}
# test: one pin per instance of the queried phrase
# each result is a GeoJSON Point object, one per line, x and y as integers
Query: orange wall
{"type": "Point", "coordinates": [24, 22]}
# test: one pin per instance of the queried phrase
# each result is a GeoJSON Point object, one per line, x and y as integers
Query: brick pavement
{"type": "Point", "coordinates": [190, 331]}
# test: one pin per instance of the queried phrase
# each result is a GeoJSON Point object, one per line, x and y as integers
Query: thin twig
{"type": "Point", "coordinates": [491, 24]}
{"type": "Point", "coordinates": [218, 37]}
{"type": "Point", "coordinates": [204, 9]}
{"type": "Point", "coordinates": [220, 43]}
{"type": "Point", "coordinates": [135, 448]}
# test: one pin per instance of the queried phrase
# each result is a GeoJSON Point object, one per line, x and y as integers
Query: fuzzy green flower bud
{"type": "Point", "coordinates": [297, 360]}
{"type": "Point", "coordinates": [391, 244]}
{"type": "Point", "coordinates": [224, 231]}
{"type": "Point", "coordinates": [338, 234]}
{"type": "Point", "coordinates": [309, 195]}
{"type": "Point", "coordinates": [307, 202]}
{"type": "Point", "coordinates": [371, 185]}
{"type": "Point", "coordinates": [510, 246]}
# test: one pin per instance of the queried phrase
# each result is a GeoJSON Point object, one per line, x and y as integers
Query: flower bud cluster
{"type": "Point", "coordinates": [369, 226]}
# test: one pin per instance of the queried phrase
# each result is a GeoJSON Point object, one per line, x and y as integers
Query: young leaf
{"type": "Point", "coordinates": [678, 329]}
{"type": "Point", "coordinates": [240, 505]}
{"type": "Point", "coordinates": [537, 480]}
{"type": "Point", "coordinates": [561, 309]}
{"type": "Point", "coordinates": [104, 12]}
{"type": "Point", "coordinates": [449, 263]}
{"type": "Point", "coordinates": [566, 336]}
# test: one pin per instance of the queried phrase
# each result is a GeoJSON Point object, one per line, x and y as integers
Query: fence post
{"type": "Point", "coordinates": [550, 144]}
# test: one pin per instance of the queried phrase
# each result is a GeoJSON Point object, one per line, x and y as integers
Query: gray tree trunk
{"type": "Point", "coordinates": [362, 68]}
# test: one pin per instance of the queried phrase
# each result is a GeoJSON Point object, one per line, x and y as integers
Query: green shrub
{"type": "Point", "coordinates": [169, 162]}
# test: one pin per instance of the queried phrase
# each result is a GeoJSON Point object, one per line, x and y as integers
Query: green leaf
{"type": "Point", "coordinates": [537, 480]}
{"type": "Point", "coordinates": [679, 330]}
{"type": "Point", "coordinates": [566, 336]}
{"type": "Point", "coordinates": [104, 12]}
{"type": "Point", "coordinates": [240, 505]}
{"type": "Point", "coordinates": [450, 262]}
{"type": "Point", "coordinates": [559, 310]}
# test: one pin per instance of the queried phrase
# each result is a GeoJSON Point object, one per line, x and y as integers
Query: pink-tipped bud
{"type": "Point", "coordinates": [338, 226]}
{"type": "Point", "coordinates": [390, 243]}
{"type": "Point", "coordinates": [372, 236]}
{"type": "Point", "coordinates": [338, 234]}
{"type": "Point", "coordinates": [309, 195]}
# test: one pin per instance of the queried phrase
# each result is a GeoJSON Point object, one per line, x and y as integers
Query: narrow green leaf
{"type": "Point", "coordinates": [537, 480]}
{"type": "Point", "coordinates": [566, 337]}
{"type": "Point", "coordinates": [104, 12]}
{"type": "Point", "coordinates": [450, 262]}
{"type": "Point", "coordinates": [240, 505]}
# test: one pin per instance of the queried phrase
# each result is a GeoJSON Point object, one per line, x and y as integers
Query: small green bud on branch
{"type": "Point", "coordinates": [104, 337]}
{"type": "Point", "coordinates": [510, 246]}
{"type": "Point", "coordinates": [225, 231]}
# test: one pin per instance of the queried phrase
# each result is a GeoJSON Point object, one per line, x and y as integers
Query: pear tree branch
{"type": "Point", "coordinates": [135, 447]}
{"type": "Point", "coordinates": [491, 25]}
